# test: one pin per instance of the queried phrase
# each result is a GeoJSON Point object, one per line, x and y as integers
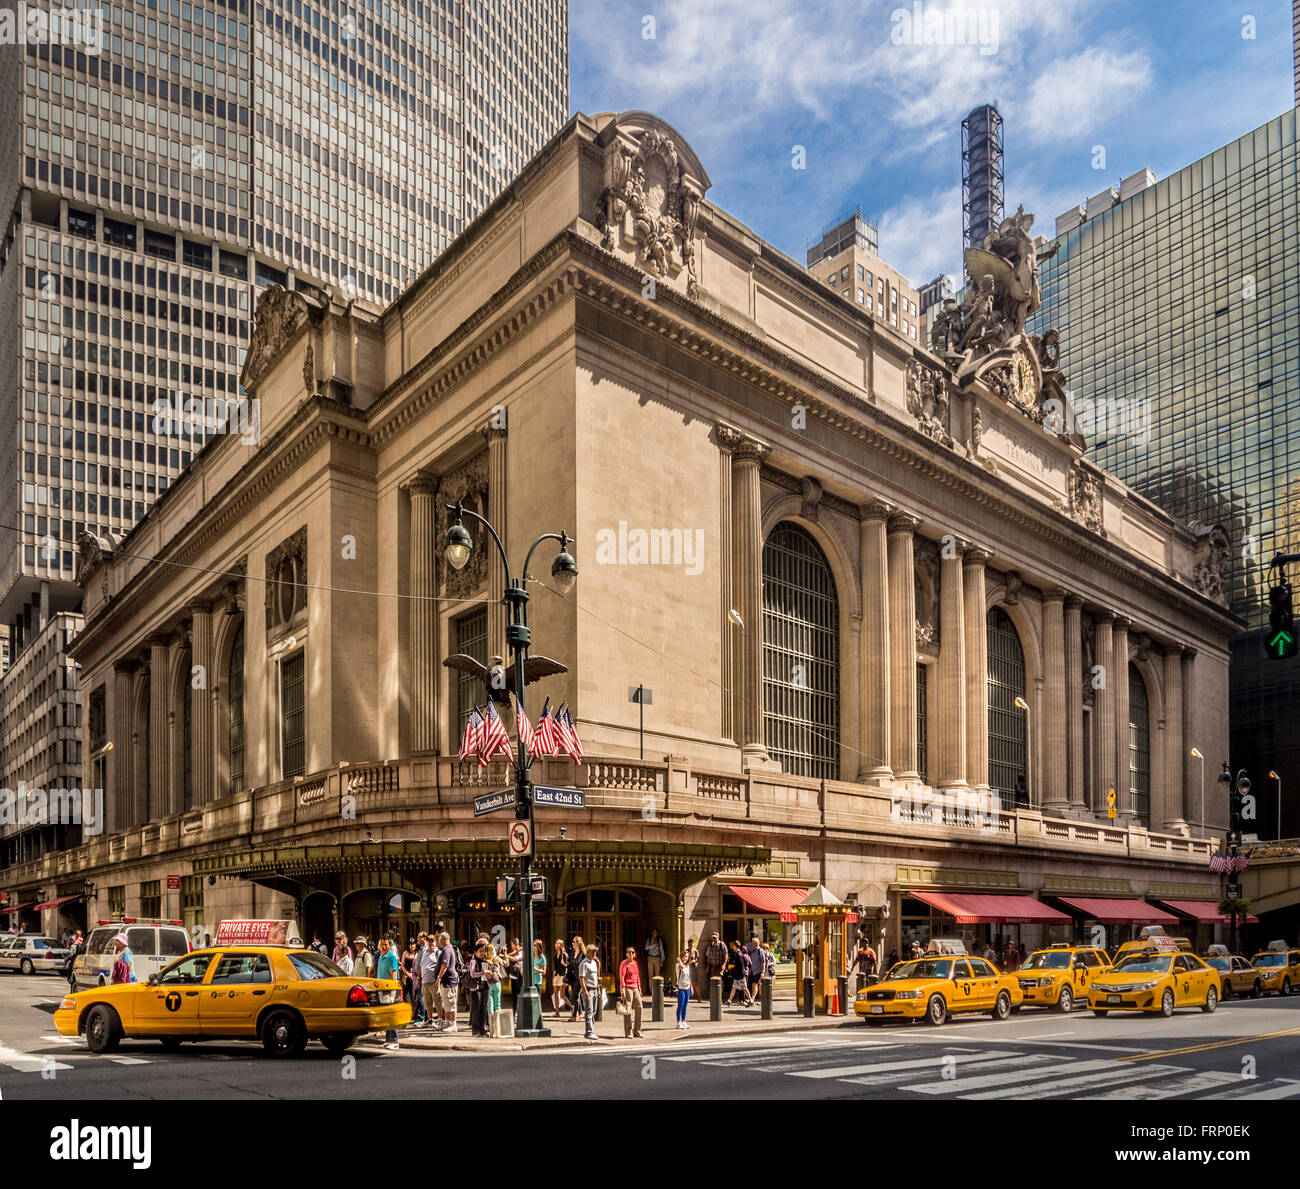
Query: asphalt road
{"type": "Point", "coordinates": [1247, 1052]}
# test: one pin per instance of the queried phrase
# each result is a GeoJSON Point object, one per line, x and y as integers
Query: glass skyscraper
{"type": "Point", "coordinates": [1178, 307]}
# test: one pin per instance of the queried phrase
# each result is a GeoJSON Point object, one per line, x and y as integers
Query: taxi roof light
{"type": "Point", "coordinates": [1278, 945]}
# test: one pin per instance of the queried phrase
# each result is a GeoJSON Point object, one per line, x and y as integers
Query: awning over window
{"type": "Point", "coordinates": [1119, 912]}
{"type": "Point", "coordinates": [17, 907]}
{"type": "Point", "coordinates": [55, 903]}
{"type": "Point", "coordinates": [1206, 911]}
{"type": "Point", "coordinates": [972, 908]}
{"type": "Point", "coordinates": [771, 901]}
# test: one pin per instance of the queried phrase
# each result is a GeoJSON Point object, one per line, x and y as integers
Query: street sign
{"type": "Point", "coordinates": [641, 695]}
{"type": "Point", "coordinates": [520, 837]}
{"type": "Point", "coordinates": [1110, 804]}
{"type": "Point", "coordinates": [564, 798]}
{"type": "Point", "coordinates": [491, 802]}
{"type": "Point", "coordinates": [537, 887]}
{"type": "Point", "coordinates": [173, 883]}
{"type": "Point", "coordinates": [1233, 891]}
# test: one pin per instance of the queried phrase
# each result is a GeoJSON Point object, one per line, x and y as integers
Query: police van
{"type": "Point", "coordinates": [153, 943]}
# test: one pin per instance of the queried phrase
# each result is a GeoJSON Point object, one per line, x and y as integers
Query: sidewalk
{"type": "Point", "coordinates": [736, 1021]}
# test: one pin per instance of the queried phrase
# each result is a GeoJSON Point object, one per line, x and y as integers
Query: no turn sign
{"type": "Point", "coordinates": [520, 836]}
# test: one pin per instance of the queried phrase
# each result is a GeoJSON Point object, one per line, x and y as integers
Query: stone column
{"type": "Point", "coordinates": [142, 797]}
{"type": "Point", "coordinates": [902, 646]}
{"type": "Point", "coordinates": [977, 667]}
{"type": "Point", "coordinates": [120, 793]}
{"type": "Point", "coordinates": [952, 674]}
{"type": "Point", "coordinates": [874, 666]}
{"type": "Point", "coordinates": [729, 652]}
{"type": "Point", "coordinates": [1171, 811]}
{"type": "Point", "coordinates": [1119, 666]}
{"type": "Point", "coordinates": [1055, 751]}
{"type": "Point", "coordinates": [496, 512]}
{"type": "Point", "coordinates": [1104, 709]}
{"type": "Point", "coordinates": [1191, 779]}
{"type": "Point", "coordinates": [161, 801]}
{"type": "Point", "coordinates": [1074, 700]}
{"type": "Point", "coordinates": [747, 572]}
{"type": "Point", "coordinates": [424, 612]}
{"type": "Point", "coordinates": [203, 760]}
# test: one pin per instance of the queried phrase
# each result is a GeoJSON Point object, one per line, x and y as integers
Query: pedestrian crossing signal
{"type": "Point", "coordinates": [1281, 640]}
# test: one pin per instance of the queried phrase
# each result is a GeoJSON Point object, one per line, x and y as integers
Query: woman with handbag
{"type": "Point", "coordinates": [560, 978]}
{"type": "Point", "coordinates": [474, 984]}
{"type": "Point", "coordinates": [492, 971]}
{"type": "Point", "coordinates": [576, 957]}
{"type": "Point", "coordinates": [629, 989]}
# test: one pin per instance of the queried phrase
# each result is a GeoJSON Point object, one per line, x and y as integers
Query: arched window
{"type": "Point", "coordinates": [1139, 747]}
{"type": "Point", "coordinates": [235, 696]}
{"type": "Point", "coordinates": [1008, 753]}
{"type": "Point", "coordinates": [801, 671]}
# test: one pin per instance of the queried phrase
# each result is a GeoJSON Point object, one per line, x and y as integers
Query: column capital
{"type": "Point", "coordinates": [495, 428]}
{"type": "Point", "coordinates": [198, 606]}
{"type": "Point", "coordinates": [1187, 652]}
{"type": "Point", "coordinates": [158, 640]}
{"type": "Point", "coordinates": [1073, 602]}
{"type": "Point", "coordinates": [1103, 616]}
{"type": "Point", "coordinates": [877, 510]}
{"type": "Point", "coordinates": [421, 483]}
{"type": "Point", "coordinates": [124, 667]}
{"type": "Point", "coordinates": [976, 556]}
{"type": "Point", "coordinates": [1122, 623]}
{"type": "Point", "coordinates": [744, 446]}
{"type": "Point", "coordinates": [903, 523]}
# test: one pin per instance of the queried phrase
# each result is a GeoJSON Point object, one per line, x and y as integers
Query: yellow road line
{"type": "Point", "coordinates": [1217, 1044]}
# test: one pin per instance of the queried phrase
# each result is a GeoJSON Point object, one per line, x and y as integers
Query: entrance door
{"type": "Point", "coordinates": [172, 1007]}
{"type": "Point", "coordinates": [238, 989]}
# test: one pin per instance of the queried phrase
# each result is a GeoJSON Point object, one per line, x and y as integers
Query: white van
{"type": "Point", "coordinates": [152, 943]}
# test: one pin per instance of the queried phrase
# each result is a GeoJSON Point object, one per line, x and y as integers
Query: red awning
{"type": "Point", "coordinates": [972, 908]}
{"type": "Point", "coordinates": [18, 907]}
{"type": "Point", "coordinates": [771, 901]}
{"type": "Point", "coordinates": [1119, 912]}
{"type": "Point", "coordinates": [54, 903]}
{"type": "Point", "coordinates": [1206, 911]}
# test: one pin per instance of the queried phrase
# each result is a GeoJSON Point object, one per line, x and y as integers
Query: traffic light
{"type": "Point", "coordinates": [1281, 642]}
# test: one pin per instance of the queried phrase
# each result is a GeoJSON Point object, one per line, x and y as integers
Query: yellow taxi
{"type": "Point", "coordinates": [1279, 968]}
{"type": "Point", "coordinates": [1155, 981]}
{"type": "Point", "coordinates": [1153, 937]}
{"type": "Point", "coordinates": [934, 987]}
{"type": "Point", "coordinates": [1237, 975]}
{"type": "Point", "coordinates": [1058, 976]}
{"type": "Point", "coordinates": [281, 995]}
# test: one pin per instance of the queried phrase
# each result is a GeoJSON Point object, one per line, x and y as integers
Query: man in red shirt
{"type": "Point", "coordinates": [629, 987]}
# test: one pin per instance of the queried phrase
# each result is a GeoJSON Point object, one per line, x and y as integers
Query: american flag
{"type": "Point", "coordinates": [1240, 863]}
{"type": "Point", "coordinates": [544, 735]}
{"type": "Point", "coordinates": [470, 739]}
{"type": "Point", "coordinates": [571, 729]}
{"type": "Point", "coordinates": [563, 743]}
{"type": "Point", "coordinates": [1219, 863]}
{"type": "Point", "coordinates": [493, 738]}
{"type": "Point", "coordinates": [523, 728]}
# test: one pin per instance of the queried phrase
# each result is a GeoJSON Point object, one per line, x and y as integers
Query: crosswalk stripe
{"type": "Point", "coordinates": [715, 1054]}
{"type": "Point", "coordinates": [130, 1060]}
{"type": "Point", "coordinates": [63, 1040]}
{"type": "Point", "coordinates": [1184, 1083]}
{"type": "Point", "coordinates": [1018, 1073]}
{"type": "Point", "coordinates": [849, 1071]}
{"type": "Point", "coordinates": [791, 1059]}
{"type": "Point", "coordinates": [1072, 1082]}
{"type": "Point", "coordinates": [890, 1080]}
{"type": "Point", "coordinates": [1285, 1089]}
{"type": "Point", "coordinates": [28, 1062]}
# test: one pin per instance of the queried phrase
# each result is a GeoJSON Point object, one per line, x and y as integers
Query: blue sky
{"type": "Point", "coordinates": [1154, 84]}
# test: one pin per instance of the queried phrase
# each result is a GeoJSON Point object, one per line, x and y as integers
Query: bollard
{"type": "Point", "coordinates": [862, 982]}
{"type": "Point", "coordinates": [765, 998]}
{"type": "Point", "coordinates": [657, 999]}
{"type": "Point", "coordinates": [808, 1004]}
{"type": "Point", "coordinates": [600, 1004]}
{"type": "Point", "coordinates": [844, 994]}
{"type": "Point", "coordinates": [715, 998]}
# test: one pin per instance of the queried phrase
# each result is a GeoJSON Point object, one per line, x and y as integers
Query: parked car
{"type": "Point", "coordinates": [30, 952]}
{"type": "Point", "coordinates": [152, 944]}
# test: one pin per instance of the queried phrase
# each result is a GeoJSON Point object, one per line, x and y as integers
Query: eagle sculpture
{"type": "Point", "coordinates": [498, 678]}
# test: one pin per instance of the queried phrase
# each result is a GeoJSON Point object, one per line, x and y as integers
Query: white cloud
{"type": "Point", "coordinates": [922, 238]}
{"type": "Point", "coordinates": [1081, 93]}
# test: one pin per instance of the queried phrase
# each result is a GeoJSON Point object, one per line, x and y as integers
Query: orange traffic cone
{"type": "Point", "coordinates": [835, 1000]}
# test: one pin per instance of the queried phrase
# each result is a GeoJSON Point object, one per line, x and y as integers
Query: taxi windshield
{"type": "Point", "coordinates": [1047, 960]}
{"type": "Point", "coordinates": [311, 965]}
{"type": "Point", "coordinates": [1220, 963]}
{"type": "Point", "coordinates": [1270, 959]}
{"type": "Point", "coordinates": [1145, 964]}
{"type": "Point", "coordinates": [924, 968]}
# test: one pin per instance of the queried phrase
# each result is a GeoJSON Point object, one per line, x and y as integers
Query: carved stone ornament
{"type": "Point", "coordinates": [1011, 595]}
{"type": "Point", "coordinates": [1088, 631]}
{"type": "Point", "coordinates": [646, 182]}
{"type": "Point", "coordinates": [283, 605]}
{"type": "Point", "coordinates": [1214, 560]}
{"type": "Point", "coordinates": [309, 371]}
{"type": "Point", "coordinates": [1084, 502]}
{"type": "Point", "coordinates": [812, 497]}
{"type": "Point", "coordinates": [927, 401]}
{"type": "Point", "coordinates": [280, 315]}
{"type": "Point", "coordinates": [926, 592]}
{"type": "Point", "coordinates": [468, 484]}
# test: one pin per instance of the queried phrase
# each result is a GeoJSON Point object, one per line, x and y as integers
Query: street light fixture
{"type": "Point", "coordinates": [734, 616]}
{"type": "Point", "coordinates": [1274, 776]}
{"type": "Point", "coordinates": [458, 545]}
{"type": "Point", "coordinates": [1195, 753]}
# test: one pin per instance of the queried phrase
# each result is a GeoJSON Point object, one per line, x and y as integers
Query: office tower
{"type": "Point", "coordinates": [151, 181]}
{"type": "Point", "coordinates": [1178, 307]}
{"type": "Point", "coordinates": [933, 294]}
{"type": "Point", "coordinates": [846, 257]}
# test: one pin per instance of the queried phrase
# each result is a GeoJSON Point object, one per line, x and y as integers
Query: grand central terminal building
{"type": "Point", "coordinates": [903, 639]}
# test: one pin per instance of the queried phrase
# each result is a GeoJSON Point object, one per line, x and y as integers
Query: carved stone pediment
{"type": "Point", "coordinates": [468, 484]}
{"type": "Point", "coordinates": [280, 315]}
{"type": "Point", "coordinates": [1214, 561]}
{"type": "Point", "coordinates": [927, 401]}
{"type": "Point", "coordinates": [1084, 504]}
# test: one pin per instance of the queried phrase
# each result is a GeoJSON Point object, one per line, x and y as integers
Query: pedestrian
{"type": "Point", "coordinates": [754, 959]}
{"type": "Point", "coordinates": [560, 977]}
{"type": "Point", "coordinates": [388, 968]}
{"type": "Point", "coordinates": [577, 955]}
{"type": "Point", "coordinates": [447, 980]}
{"type": "Point", "coordinates": [515, 967]}
{"type": "Point", "coordinates": [363, 965]}
{"type": "Point", "coordinates": [892, 960]}
{"type": "Point", "coordinates": [589, 986]}
{"type": "Point", "coordinates": [429, 985]}
{"type": "Point", "coordinates": [123, 961]}
{"type": "Point", "coordinates": [629, 987]}
{"type": "Point", "coordinates": [738, 968]}
{"type": "Point", "coordinates": [417, 998]}
{"type": "Point", "coordinates": [693, 951]}
{"type": "Point", "coordinates": [990, 954]}
{"type": "Point", "coordinates": [493, 973]}
{"type": "Point", "coordinates": [475, 987]}
{"type": "Point", "coordinates": [539, 965]}
{"type": "Point", "coordinates": [654, 954]}
{"type": "Point", "coordinates": [342, 950]}
{"type": "Point", "coordinates": [864, 961]}
{"type": "Point", "coordinates": [715, 962]}
{"type": "Point", "coordinates": [683, 987]}
{"type": "Point", "coordinates": [76, 947]}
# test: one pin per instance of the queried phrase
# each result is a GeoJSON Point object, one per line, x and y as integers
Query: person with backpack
{"type": "Point", "coordinates": [447, 980]}
{"type": "Point", "coordinates": [363, 965]}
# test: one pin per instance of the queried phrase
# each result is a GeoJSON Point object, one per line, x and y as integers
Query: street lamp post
{"type": "Point", "coordinates": [1237, 786]}
{"type": "Point", "coordinates": [1196, 754]}
{"type": "Point", "coordinates": [458, 545]}
{"type": "Point", "coordinates": [1274, 776]}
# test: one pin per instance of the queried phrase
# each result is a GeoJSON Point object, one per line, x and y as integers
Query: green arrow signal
{"type": "Point", "coordinates": [1282, 640]}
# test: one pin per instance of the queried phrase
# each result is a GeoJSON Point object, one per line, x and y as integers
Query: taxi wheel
{"type": "Point", "coordinates": [1167, 1003]}
{"type": "Point", "coordinates": [283, 1034]}
{"type": "Point", "coordinates": [1227, 991]}
{"type": "Point", "coordinates": [1211, 1001]}
{"type": "Point", "coordinates": [103, 1030]}
{"type": "Point", "coordinates": [1286, 986]}
{"type": "Point", "coordinates": [1002, 1008]}
{"type": "Point", "coordinates": [1066, 1002]}
{"type": "Point", "coordinates": [936, 1011]}
{"type": "Point", "coordinates": [338, 1043]}
{"type": "Point", "coordinates": [1256, 991]}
